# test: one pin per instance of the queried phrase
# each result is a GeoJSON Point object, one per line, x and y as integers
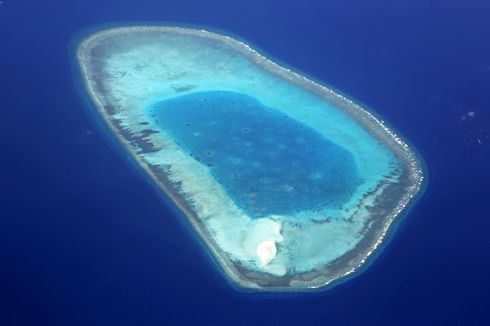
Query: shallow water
{"type": "Point", "coordinates": [126, 70]}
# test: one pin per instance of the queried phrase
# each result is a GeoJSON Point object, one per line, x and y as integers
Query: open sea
{"type": "Point", "coordinates": [85, 239]}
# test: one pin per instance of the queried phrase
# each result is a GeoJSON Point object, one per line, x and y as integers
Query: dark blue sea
{"type": "Point", "coordinates": [85, 239]}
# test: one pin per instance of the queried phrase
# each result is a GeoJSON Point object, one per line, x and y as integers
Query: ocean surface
{"type": "Point", "coordinates": [85, 239]}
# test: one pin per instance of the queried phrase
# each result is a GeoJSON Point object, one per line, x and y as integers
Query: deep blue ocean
{"type": "Point", "coordinates": [85, 239]}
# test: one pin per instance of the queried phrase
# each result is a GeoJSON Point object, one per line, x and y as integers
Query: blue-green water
{"type": "Point", "coordinates": [267, 162]}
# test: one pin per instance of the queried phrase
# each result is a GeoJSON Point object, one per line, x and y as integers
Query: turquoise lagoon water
{"type": "Point", "coordinates": [267, 162]}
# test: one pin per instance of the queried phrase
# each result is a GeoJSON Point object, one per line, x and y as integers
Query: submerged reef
{"type": "Point", "coordinates": [290, 185]}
